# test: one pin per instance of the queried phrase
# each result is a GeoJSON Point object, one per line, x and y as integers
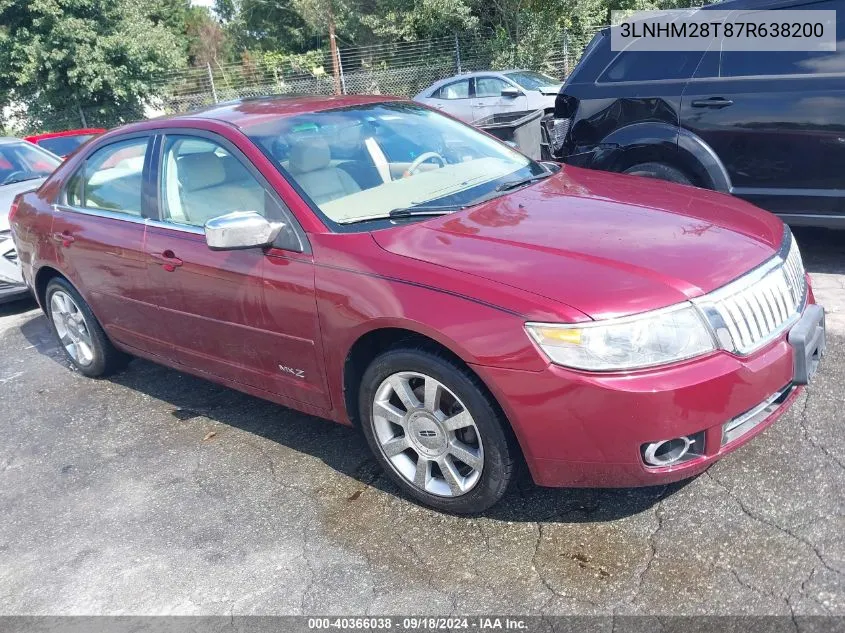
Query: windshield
{"type": "Point", "coordinates": [64, 145]}
{"type": "Point", "coordinates": [24, 161]}
{"type": "Point", "coordinates": [531, 80]}
{"type": "Point", "coordinates": [361, 163]}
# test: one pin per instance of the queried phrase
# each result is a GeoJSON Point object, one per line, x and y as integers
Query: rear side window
{"type": "Point", "coordinates": [454, 90]}
{"type": "Point", "coordinates": [111, 178]}
{"type": "Point", "coordinates": [651, 65]}
{"type": "Point", "coordinates": [63, 145]}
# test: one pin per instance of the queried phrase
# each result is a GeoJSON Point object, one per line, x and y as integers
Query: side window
{"type": "Point", "coordinates": [202, 180]}
{"type": "Point", "coordinates": [455, 90]}
{"type": "Point", "coordinates": [650, 66]}
{"type": "Point", "coordinates": [772, 63]}
{"type": "Point", "coordinates": [769, 63]}
{"type": "Point", "coordinates": [111, 178]}
{"type": "Point", "coordinates": [489, 86]}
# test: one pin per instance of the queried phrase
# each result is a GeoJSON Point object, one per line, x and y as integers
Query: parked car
{"type": "Point", "coordinates": [765, 126]}
{"type": "Point", "coordinates": [374, 262]}
{"type": "Point", "coordinates": [23, 166]}
{"type": "Point", "coordinates": [64, 143]}
{"type": "Point", "coordinates": [473, 96]}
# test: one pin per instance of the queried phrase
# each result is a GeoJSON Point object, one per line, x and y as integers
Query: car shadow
{"type": "Point", "coordinates": [823, 250]}
{"type": "Point", "coordinates": [343, 448]}
{"type": "Point", "coordinates": [18, 306]}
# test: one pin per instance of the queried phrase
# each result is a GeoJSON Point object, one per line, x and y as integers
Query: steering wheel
{"type": "Point", "coordinates": [419, 160]}
{"type": "Point", "coordinates": [12, 176]}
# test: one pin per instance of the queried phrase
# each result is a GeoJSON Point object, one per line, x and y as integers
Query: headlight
{"type": "Point", "coordinates": [644, 340]}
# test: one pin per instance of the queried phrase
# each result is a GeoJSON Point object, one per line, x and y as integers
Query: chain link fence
{"type": "Point", "coordinates": [401, 69]}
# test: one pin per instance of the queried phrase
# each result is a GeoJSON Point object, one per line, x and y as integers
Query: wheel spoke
{"type": "Point", "coordinates": [422, 474]}
{"type": "Point", "coordinates": [395, 446]}
{"type": "Point", "coordinates": [451, 475]}
{"type": "Point", "coordinates": [459, 421]}
{"type": "Point", "coordinates": [388, 412]}
{"type": "Point", "coordinates": [431, 399]}
{"type": "Point", "coordinates": [402, 388]}
{"type": "Point", "coordinates": [467, 454]}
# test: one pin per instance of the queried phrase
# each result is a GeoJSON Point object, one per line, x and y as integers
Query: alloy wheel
{"type": "Point", "coordinates": [72, 328]}
{"type": "Point", "coordinates": [427, 434]}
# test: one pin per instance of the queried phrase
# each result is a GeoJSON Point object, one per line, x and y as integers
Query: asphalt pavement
{"type": "Point", "coordinates": [153, 492]}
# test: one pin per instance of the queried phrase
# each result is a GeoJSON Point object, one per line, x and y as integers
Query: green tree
{"type": "Point", "coordinates": [95, 58]}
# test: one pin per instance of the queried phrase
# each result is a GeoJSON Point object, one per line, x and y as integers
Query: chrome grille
{"type": "Point", "coordinates": [751, 311]}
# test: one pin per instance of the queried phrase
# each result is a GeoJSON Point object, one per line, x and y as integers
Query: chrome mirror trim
{"type": "Point", "coordinates": [241, 229]}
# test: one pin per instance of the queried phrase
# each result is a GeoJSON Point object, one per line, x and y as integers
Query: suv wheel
{"type": "Point", "coordinates": [660, 171]}
{"type": "Point", "coordinates": [79, 332]}
{"type": "Point", "coordinates": [435, 432]}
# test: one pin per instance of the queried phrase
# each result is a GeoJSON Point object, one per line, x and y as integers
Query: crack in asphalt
{"type": "Point", "coordinates": [806, 432]}
{"type": "Point", "coordinates": [766, 521]}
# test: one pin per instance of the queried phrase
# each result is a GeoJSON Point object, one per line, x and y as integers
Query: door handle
{"type": "Point", "coordinates": [168, 260]}
{"type": "Point", "coordinates": [65, 238]}
{"type": "Point", "coordinates": [712, 102]}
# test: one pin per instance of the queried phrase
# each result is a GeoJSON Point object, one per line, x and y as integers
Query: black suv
{"type": "Point", "coordinates": [768, 127]}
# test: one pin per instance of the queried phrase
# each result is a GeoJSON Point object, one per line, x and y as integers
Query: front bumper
{"type": "Point", "coordinates": [12, 285]}
{"type": "Point", "coordinates": [580, 429]}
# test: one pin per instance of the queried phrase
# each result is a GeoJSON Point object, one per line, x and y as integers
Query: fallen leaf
{"type": "Point", "coordinates": [209, 435]}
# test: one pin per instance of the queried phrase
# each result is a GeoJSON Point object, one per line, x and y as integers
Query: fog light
{"type": "Point", "coordinates": [673, 451]}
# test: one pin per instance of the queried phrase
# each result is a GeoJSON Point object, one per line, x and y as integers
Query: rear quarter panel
{"type": "Point", "coordinates": [32, 227]}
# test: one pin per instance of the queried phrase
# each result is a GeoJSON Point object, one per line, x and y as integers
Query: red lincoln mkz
{"type": "Point", "coordinates": [380, 264]}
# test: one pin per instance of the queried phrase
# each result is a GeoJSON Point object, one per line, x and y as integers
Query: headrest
{"type": "Point", "coordinates": [199, 171]}
{"type": "Point", "coordinates": [309, 154]}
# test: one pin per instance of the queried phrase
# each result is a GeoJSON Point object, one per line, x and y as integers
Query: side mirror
{"type": "Point", "coordinates": [241, 229]}
{"type": "Point", "coordinates": [511, 92]}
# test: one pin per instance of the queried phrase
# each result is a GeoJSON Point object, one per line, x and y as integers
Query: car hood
{"type": "Point", "coordinates": [605, 244]}
{"type": "Point", "coordinates": [550, 91]}
{"type": "Point", "coordinates": [8, 193]}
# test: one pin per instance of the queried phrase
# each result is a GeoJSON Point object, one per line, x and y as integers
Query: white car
{"type": "Point", "coordinates": [473, 96]}
{"type": "Point", "coordinates": [23, 167]}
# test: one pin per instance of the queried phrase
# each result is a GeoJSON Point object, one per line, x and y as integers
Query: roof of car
{"type": "Point", "coordinates": [5, 140]}
{"type": "Point", "coordinates": [80, 132]}
{"type": "Point", "coordinates": [245, 112]}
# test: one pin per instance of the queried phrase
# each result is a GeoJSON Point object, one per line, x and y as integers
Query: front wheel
{"type": "Point", "coordinates": [434, 430]}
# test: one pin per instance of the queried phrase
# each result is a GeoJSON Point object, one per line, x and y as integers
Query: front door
{"type": "Point", "coordinates": [776, 120]}
{"type": "Point", "coordinates": [99, 235]}
{"type": "Point", "coordinates": [489, 99]}
{"type": "Point", "coordinates": [217, 312]}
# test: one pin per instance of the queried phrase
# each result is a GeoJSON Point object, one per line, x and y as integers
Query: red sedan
{"type": "Point", "coordinates": [380, 264]}
{"type": "Point", "coordinates": [62, 144]}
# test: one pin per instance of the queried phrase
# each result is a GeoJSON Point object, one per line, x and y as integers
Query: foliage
{"type": "Point", "coordinates": [96, 56]}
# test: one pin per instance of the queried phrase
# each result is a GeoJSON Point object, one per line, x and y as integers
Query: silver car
{"type": "Point", "coordinates": [473, 96]}
{"type": "Point", "coordinates": [23, 167]}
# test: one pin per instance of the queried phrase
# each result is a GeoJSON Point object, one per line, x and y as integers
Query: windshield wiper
{"type": "Point", "coordinates": [407, 212]}
{"type": "Point", "coordinates": [513, 184]}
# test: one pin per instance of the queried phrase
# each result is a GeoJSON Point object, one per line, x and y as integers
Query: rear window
{"type": "Point", "coordinates": [64, 145]}
{"type": "Point", "coordinates": [651, 66]}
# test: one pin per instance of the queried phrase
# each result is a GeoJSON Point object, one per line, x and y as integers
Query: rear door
{"type": "Point", "coordinates": [777, 122]}
{"type": "Point", "coordinates": [454, 98]}
{"type": "Point", "coordinates": [488, 98]}
{"type": "Point", "coordinates": [99, 231]}
{"type": "Point", "coordinates": [219, 313]}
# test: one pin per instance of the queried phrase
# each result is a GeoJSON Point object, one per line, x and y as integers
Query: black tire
{"type": "Point", "coordinates": [107, 359]}
{"type": "Point", "coordinates": [660, 171]}
{"type": "Point", "coordinates": [499, 445]}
